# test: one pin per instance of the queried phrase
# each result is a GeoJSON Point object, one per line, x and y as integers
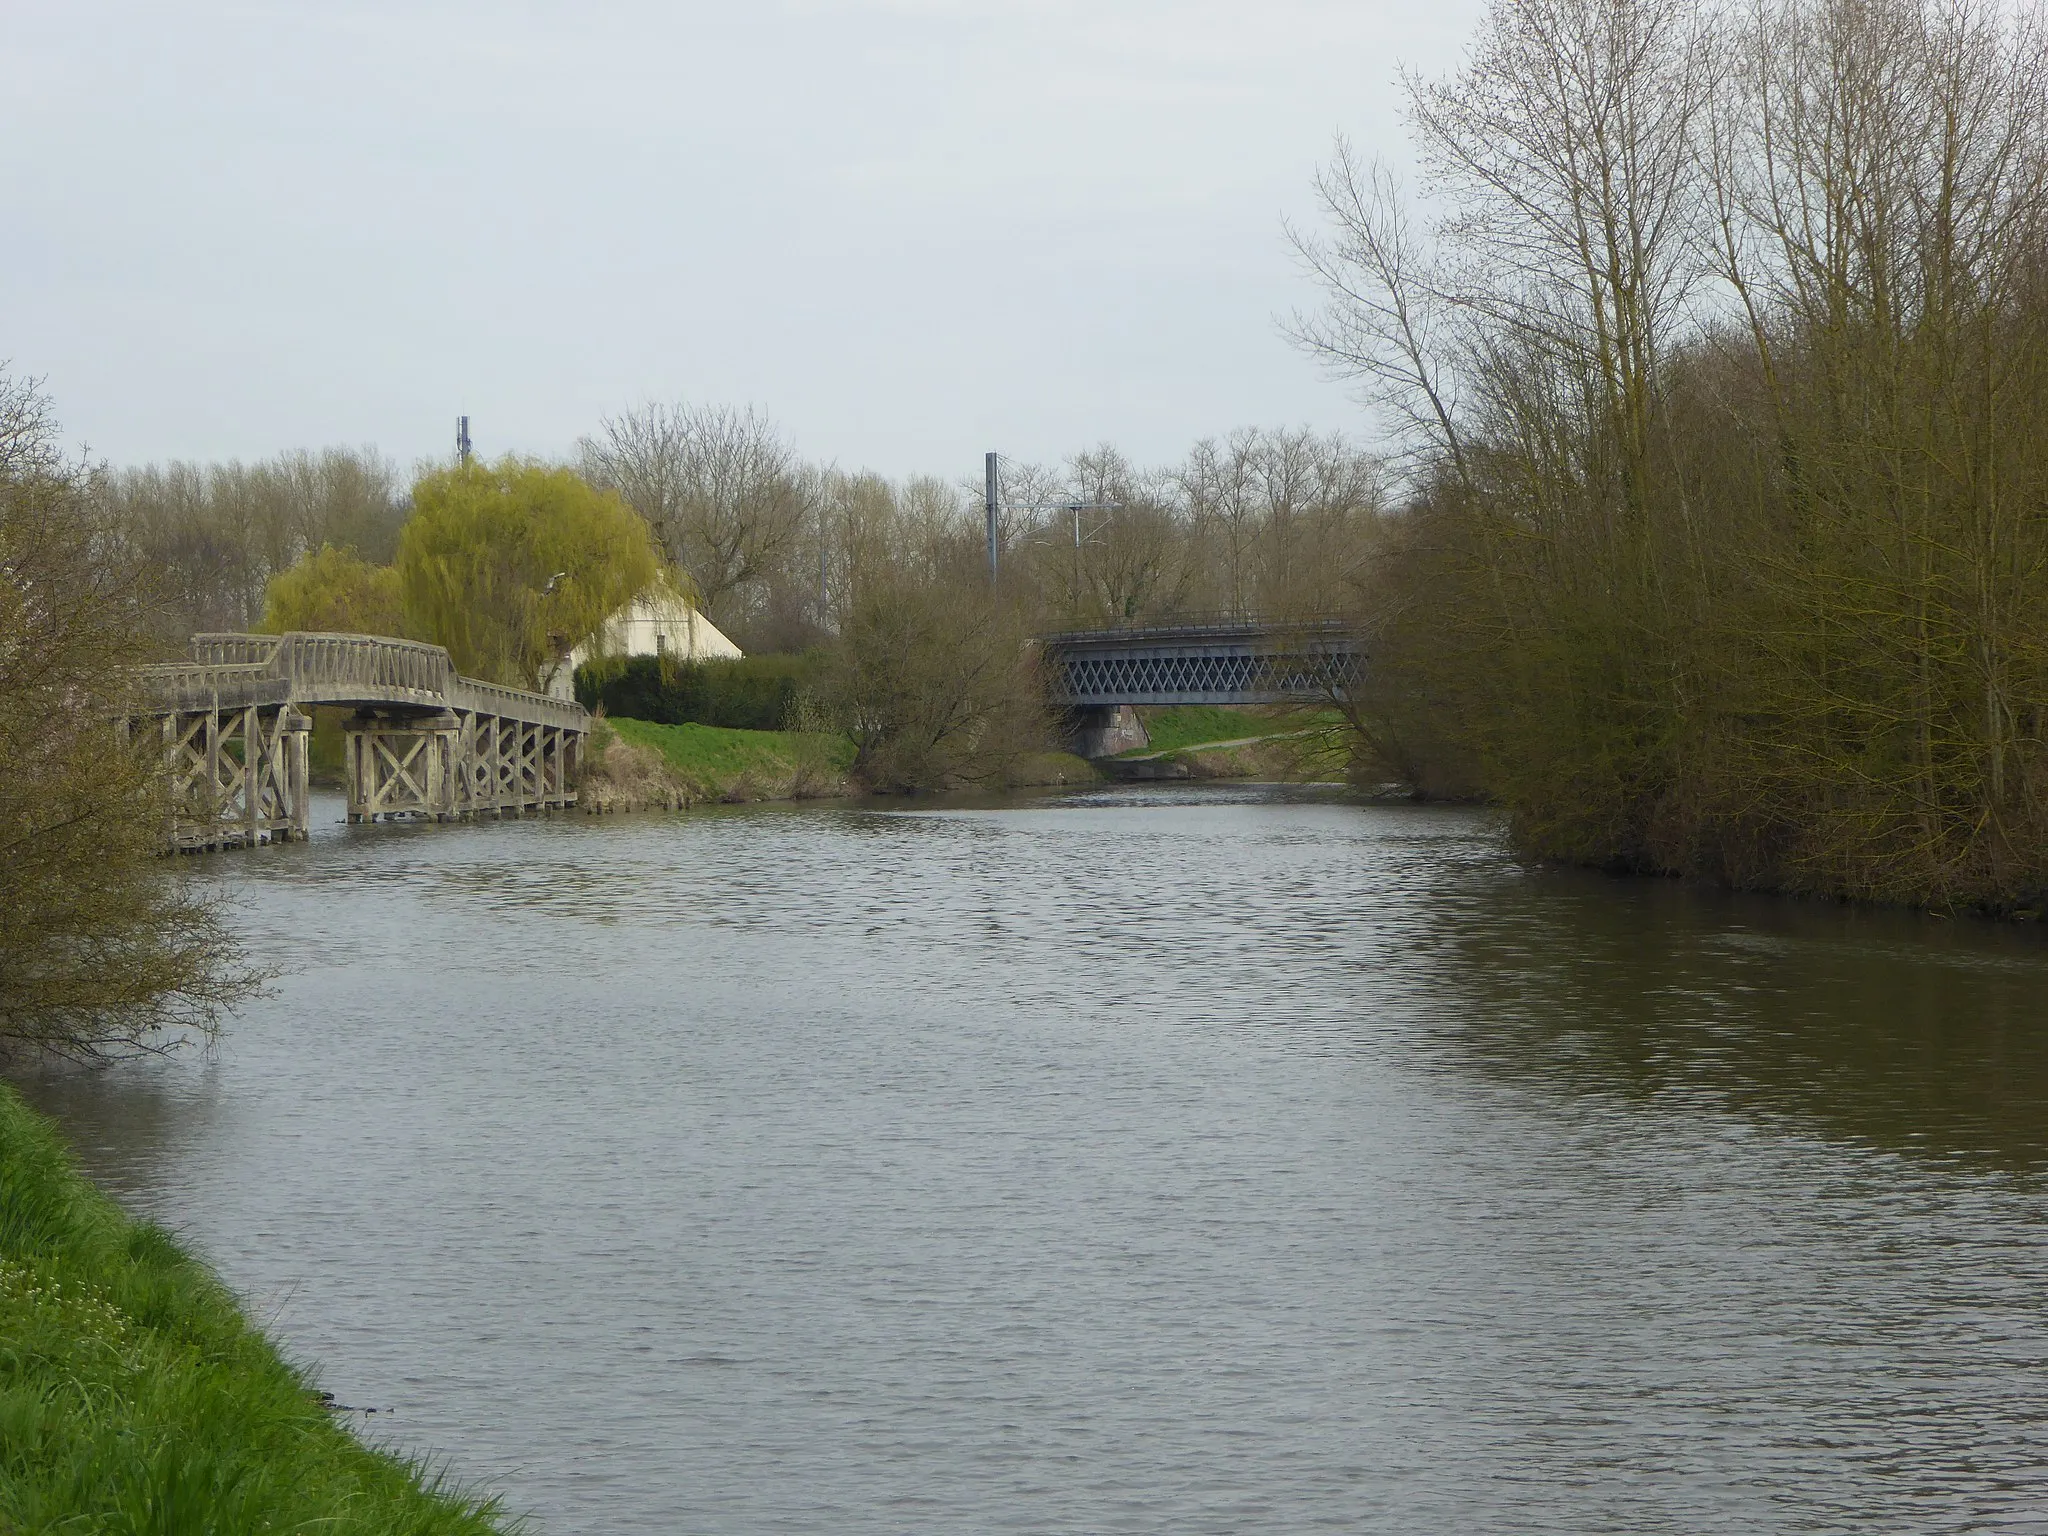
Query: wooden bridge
{"type": "Point", "coordinates": [422, 741]}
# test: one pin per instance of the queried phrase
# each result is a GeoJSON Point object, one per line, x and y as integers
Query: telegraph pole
{"type": "Point", "coordinates": [991, 490]}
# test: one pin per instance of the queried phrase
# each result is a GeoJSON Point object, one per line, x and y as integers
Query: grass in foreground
{"type": "Point", "coordinates": [136, 1400]}
{"type": "Point", "coordinates": [716, 758]}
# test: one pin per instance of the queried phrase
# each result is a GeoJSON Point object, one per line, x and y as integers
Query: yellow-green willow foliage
{"type": "Point", "coordinates": [1725, 359]}
{"type": "Point", "coordinates": [509, 564]}
{"type": "Point", "coordinates": [333, 590]}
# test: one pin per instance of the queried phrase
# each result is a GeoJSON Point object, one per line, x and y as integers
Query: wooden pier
{"type": "Point", "coordinates": [421, 741]}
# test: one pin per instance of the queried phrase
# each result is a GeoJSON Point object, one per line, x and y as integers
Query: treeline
{"type": "Point", "coordinates": [887, 583]}
{"type": "Point", "coordinates": [1269, 521]}
{"type": "Point", "coordinates": [923, 657]}
{"type": "Point", "coordinates": [775, 547]}
{"type": "Point", "coordinates": [1721, 350]}
{"type": "Point", "coordinates": [213, 536]}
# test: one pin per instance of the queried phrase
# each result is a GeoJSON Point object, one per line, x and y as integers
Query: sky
{"type": "Point", "coordinates": [908, 230]}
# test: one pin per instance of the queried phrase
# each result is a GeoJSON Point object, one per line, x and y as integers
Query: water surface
{"type": "Point", "coordinates": [1194, 1160]}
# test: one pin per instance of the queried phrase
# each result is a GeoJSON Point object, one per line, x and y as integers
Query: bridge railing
{"type": "Point", "coordinates": [368, 660]}
{"type": "Point", "coordinates": [1187, 625]}
{"type": "Point", "coordinates": [492, 699]}
{"type": "Point", "coordinates": [232, 650]}
{"type": "Point", "coordinates": [327, 660]}
{"type": "Point", "coordinates": [317, 668]}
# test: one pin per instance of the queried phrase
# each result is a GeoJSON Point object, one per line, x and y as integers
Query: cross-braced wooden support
{"type": "Point", "coordinates": [424, 741]}
{"type": "Point", "coordinates": [457, 764]}
{"type": "Point", "coordinates": [237, 775]}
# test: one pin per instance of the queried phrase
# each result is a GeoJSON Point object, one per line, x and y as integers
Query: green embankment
{"type": "Point", "coordinates": [716, 759]}
{"type": "Point", "coordinates": [715, 763]}
{"type": "Point", "coordinates": [1196, 725]}
{"type": "Point", "coordinates": [135, 1398]}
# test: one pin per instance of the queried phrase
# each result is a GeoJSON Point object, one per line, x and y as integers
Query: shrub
{"type": "Point", "coordinates": [751, 693]}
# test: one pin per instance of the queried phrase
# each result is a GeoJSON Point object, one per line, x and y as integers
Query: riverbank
{"type": "Point", "coordinates": [638, 765]}
{"type": "Point", "coordinates": [1266, 745]}
{"type": "Point", "coordinates": [135, 1397]}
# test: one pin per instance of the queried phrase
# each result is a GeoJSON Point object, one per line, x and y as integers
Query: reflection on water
{"type": "Point", "coordinates": [1199, 1159]}
{"type": "Point", "coordinates": [1910, 1033]}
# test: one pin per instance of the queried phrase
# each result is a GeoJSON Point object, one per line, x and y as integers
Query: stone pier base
{"type": "Point", "coordinates": [1105, 730]}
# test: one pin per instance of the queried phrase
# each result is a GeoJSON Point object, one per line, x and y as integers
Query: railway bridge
{"type": "Point", "coordinates": [1104, 673]}
{"type": "Point", "coordinates": [420, 741]}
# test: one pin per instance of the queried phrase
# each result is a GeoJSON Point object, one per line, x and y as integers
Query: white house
{"type": "Point", "coordinates": [659, 622]}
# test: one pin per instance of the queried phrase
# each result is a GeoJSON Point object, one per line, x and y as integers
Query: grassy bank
{"type": "Point", "coordinates": [1211, 742]}
{"type": "Point", "coordinates": [1191, 725]}
{"type": "Point", "coordinates": [635, 764]}
{"type": "Point", "coordinates": [640, 765]}
{"type": "Point", "coordinates": [135, 1398]}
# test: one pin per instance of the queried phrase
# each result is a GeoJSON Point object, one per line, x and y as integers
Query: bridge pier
{"type": "Point", "coordinates": [237, 774]}
{"type": "Point", "coordinates": [399, 766]}
{"type": "Point", "coordinates": [1103, 730]}
{"type": "Point", "coordinates": [453, 765]}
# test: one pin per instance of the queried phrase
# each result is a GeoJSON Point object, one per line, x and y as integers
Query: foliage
{"type": "Point", "coordinates": [335, 591]}
{"type": "Point", "coordinates": [1726, 356]}
{"type": "Point", "coordinates": [934, 683]}
{"type": "Point", "coordinates": [213, 535]}
{"type": "Point", "coordinates": [135, 1399]}
{"type": "Point", "coordinates": [103, 947]}
{"type": "Point", "coordinates": [509, 565]}
{"type": "Point", "coordinates": [751, 693]}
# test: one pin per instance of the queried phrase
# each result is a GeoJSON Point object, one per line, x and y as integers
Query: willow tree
{"type": "Point", "coordinates": [510, 565]}
{"type": "Point", "coordinates": [334, 590]}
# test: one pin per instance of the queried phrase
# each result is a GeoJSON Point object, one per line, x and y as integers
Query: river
{"type": "Point", "coordinates": [1203, 1159]}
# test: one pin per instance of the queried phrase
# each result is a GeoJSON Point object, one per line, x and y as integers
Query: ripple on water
{"type": "Point", "coordinates": [1157, 1160]}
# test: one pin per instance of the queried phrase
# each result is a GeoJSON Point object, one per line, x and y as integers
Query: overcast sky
{"type": "Point", "coordinates": [910, 230]}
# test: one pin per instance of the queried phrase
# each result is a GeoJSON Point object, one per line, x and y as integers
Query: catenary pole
{"type": "Point", "coordinates": [990, 491]}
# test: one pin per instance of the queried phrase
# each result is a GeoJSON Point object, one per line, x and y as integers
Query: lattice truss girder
{"type": "Point", "coordinates": [1162, 676]}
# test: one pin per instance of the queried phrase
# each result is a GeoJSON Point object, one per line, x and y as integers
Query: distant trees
{"type": "Point", "coordinates": [214, 535]}
{"type": "Point", "coordinates": [726, 496]}
{"type": "Point", "coordinates": [1284, 522]}
{"type": "Point", "coordinates": [102, 947]}
{"type": "Point", "coordinates": [1723, 353]}
{"type": "Point", "coordinates": [509, 565]}
{"type": "Point", "coordinates": [927, 668]}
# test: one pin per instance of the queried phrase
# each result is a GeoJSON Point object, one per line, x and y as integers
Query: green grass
{"type": "Point", "coordinates": [135, 1399]}
{"type": "Point", "coordinates": [1195, 725]}
{"type": "Point", "coordinates": [714, 756]}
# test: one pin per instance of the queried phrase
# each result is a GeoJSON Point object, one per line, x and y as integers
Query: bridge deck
{"type": "Point", "coordinates": [363, 671]}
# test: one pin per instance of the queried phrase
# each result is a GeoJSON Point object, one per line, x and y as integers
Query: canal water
{"type": "Point", "coordinates": [1206, 1159]}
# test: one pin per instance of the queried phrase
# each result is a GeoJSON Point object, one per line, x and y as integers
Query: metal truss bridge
{"type": "Point", "coordinates": [1220, 661]}
{"type": "Point", "coordinates": [422, 741]}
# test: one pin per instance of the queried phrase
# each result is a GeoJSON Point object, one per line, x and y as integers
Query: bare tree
{"type": "Point", "coordinates": [724, 492]}
{"type": "Point", "coordinates": [1392, 320]}
{"type": "Point", "coordinates": [103, 947]}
